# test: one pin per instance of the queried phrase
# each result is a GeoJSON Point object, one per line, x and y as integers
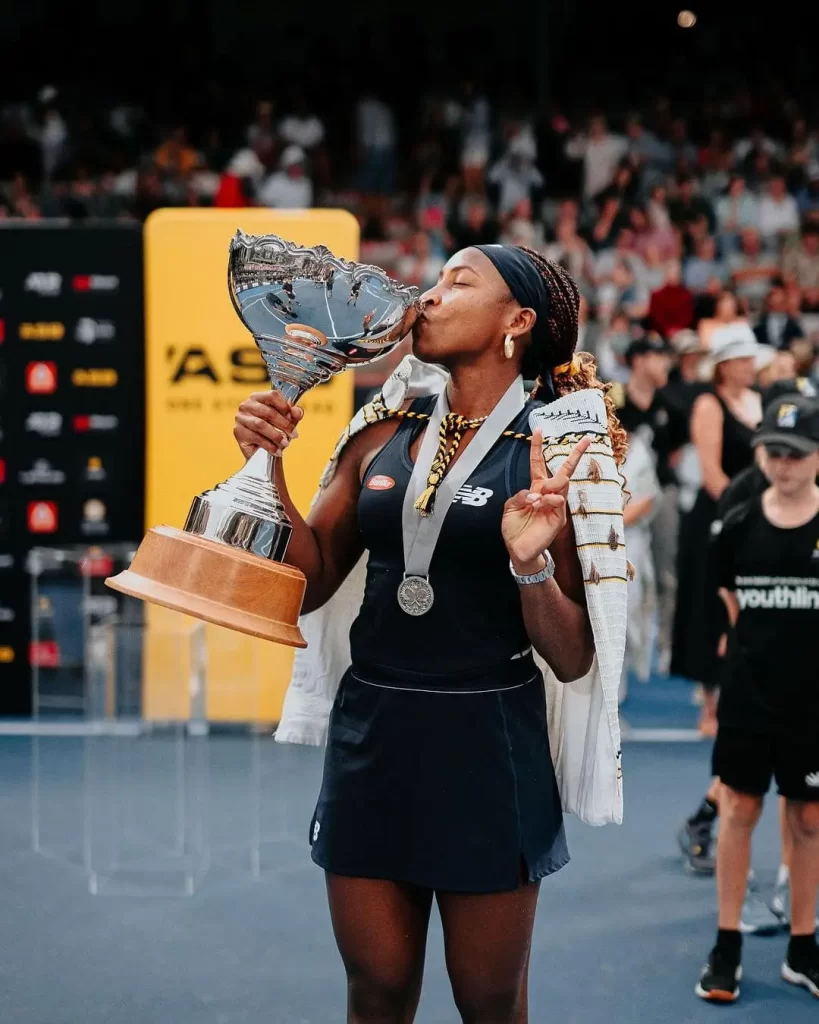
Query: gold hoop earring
{"type": "Point", "coordinates": [508, 346]}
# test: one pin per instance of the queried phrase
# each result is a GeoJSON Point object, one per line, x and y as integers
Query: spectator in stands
{"type": "Point", "coordinates": [752, 270]}
{"type": "Point", "coordinates": [420, 266]}
{"type": "Point", "coordinates": [302, 127]}
{"type": "Point", "coordinates": [647, 151]}
{"type": "Point", "coordinates": [289, 188]}
{"type": "Point", "coordinates": [704, 267]}
{"type": "Point", "coordinates": [376, 138]}
{"type": "Point", "coordinates": [778, 213]}
{"type": "Point", "coordinates": [176, 158]}
{"type": "Point", "coordinates": [521, 229]}
{"type": "Point", "coordinates": [478, 226]}
{"type": "Point", "coordinates": [736, 211]}
{"type": "Point", "coordinates": [671, 308]}
{"type": "Point", "coordinates": [573, 252]}
{"type": "Point", "coordinates": [620, 276]}
{"type": "Point", "coordinates": [514, 176]}
{"type": "Point", "coordinates": [775, 327]}
{"type": "Point", "coordinates": [800, 268]}
{"type": "Point", "coordinates": [607, 225]}
{"type": "Point", "coordinates": [600, 152]}
{"type": "Point", "coordinates": [726, 313]}
{"type": "Point", "coordinates": [610, 349]}
{"type": "Point", "coordinates": [808, 198]}
{"type": "Point", "coordinates": [261, 135]}
{"type": "Point", "coordinates": [687, 207]}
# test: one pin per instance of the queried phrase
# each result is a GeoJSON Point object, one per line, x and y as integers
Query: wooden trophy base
{"type": "Point", "coordinates": [217, 583]}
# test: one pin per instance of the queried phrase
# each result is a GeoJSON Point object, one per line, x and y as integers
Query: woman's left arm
{"type": "Point", "coordinates": [554, 611]}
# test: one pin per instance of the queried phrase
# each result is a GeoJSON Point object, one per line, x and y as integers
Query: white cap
{"type": "Point", "coordinates": [735, 341]}
{"type": "Point", "coordinates": [293, 155]}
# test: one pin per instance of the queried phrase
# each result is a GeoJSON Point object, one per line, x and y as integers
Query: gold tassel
{"type": "Point", "coordinates": [581, 511]}
{"type": "Point", "coordinates": [614, 541]}
{"type": "Point", "coordinates": [594, 575]}
{"type": "Point", "coordinates": [631, 572]}
{"type": "Point", "coordinates": [595, 472]}
{"type": "Point", "coordinates": [426, 502]}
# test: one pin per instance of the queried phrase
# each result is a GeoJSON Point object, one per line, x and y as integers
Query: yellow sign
{"type": "Point", "coordinates": [201, 364]}
{"type": "Point", "coordinates": [42, 331]}
{"type": "Point", "coordinates": [94, 377]}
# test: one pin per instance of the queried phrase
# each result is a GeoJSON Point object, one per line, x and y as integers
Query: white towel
{"type": "Point", "coordinates": [584, 729]}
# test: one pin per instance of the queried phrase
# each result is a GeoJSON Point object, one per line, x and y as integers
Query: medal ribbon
{"type": "Point", "coordinates": [421, 531]}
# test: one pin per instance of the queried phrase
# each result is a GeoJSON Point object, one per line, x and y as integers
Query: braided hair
{"type": "Point", "coordinates": [559, 347]}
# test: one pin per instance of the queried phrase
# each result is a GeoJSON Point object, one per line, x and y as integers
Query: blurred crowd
{"type": "Point", "coordinates": [669, 219]}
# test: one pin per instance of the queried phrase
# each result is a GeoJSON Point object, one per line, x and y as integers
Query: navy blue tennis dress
{"type": "Point", "coordinates": [437, 769]}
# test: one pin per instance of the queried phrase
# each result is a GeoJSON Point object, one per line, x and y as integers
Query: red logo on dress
{"type": "Point", "coordinates": [2, 331]}
{"type": "Point", "coordinates": [42, 516]}
{"type": "Point", "coordinates": [41, 378]}
{"type": "Point", "coordinates": [82, 283]}
{"type": "Point", "coordinates": [2, 471]}
{"type": "Point", "coordinates": [380, 483]}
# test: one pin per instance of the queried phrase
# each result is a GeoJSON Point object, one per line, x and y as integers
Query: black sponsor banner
{"type": "Point", "coordinates": [71, 410]}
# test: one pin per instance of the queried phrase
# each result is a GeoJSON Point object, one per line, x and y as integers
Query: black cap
{"type": "Point", "coordinates": [648, 343]}
{"type": "Point", "coordinates": [792, 422]}
{"type": "Point", "coordinates": [793, 386]}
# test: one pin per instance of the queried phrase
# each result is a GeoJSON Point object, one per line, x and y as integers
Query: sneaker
{"type": "Point", "coordinates": [757, 917]}
{"type": "Point", "coordinates": [695, 843]}
{"type": "Point", "coordinates": [806, 975]}
{"type": "Point", "coordinates": [719, 981]}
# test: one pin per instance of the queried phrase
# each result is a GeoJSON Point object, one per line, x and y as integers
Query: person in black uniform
{"type": "Point", "coordinates": [438, 781]}
{"type": "Point", "coordinates": [768, 555]}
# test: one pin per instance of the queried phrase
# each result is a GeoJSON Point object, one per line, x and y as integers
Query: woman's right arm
{"type": "Point", "coordinates": [326, 545]}
{"type": "Point", "coordinates": [706, 433]}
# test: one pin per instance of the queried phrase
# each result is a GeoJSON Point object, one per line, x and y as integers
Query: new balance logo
{"type": "Point", "coordinates": [475, 496]}
{"type": "Point", "coordinates": [316, 830]}
{"type": "Point", "coordinates": [812, 780]}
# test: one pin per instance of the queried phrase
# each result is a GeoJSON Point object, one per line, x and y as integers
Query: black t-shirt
{"type": "Point", "coordinates": [680, 395]}
{"type": "Point", "coordinates": [666, 430]}
{"type": "Point", "coordinates": [771, 673]}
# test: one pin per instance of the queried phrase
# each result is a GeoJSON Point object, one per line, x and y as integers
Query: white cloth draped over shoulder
{"type": "Point", "coordinates": [584, 728]}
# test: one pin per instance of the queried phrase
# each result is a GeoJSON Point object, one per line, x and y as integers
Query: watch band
{"type": "Point", "coordinates": [544, 574]}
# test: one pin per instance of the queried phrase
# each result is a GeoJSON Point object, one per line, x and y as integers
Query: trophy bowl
{"type": "Point", "coordinates": [312, 315]}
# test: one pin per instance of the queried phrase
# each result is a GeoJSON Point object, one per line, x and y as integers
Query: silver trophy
{"type": "Point", "coordinates": [312, 314]}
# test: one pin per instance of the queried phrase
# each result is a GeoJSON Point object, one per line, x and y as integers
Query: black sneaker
{"type": "Point", "coordinates": [804, 974]}
{"type": "Point", "coordinates": [719, 981]}
{"type": "Point", "coordinates": [695, 843]}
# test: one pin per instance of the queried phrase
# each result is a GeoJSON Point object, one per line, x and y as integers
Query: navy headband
{"type": "Point", "coordinates": [524, 281]}
{"type": "Point", "coordinates": [522, 276]}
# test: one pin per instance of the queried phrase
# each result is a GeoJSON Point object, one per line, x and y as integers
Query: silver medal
{"type": "Point", "coordinates": [415, 595]}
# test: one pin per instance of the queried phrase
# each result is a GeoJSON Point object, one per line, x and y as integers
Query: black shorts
{"type": "Point", "coordinates": [746, 758]}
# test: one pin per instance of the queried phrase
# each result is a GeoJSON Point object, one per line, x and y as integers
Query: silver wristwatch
{"type": "Point", "coordinates": [544, 574]}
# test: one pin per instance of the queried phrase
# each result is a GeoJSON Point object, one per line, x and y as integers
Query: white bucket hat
{"type": "Point", "coordinates": [735, 341]}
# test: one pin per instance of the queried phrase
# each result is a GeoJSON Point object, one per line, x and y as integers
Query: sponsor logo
{"type": "Point", "coordinates": [94, 377]}
{"type": "Point", "coordinates": [42, 331]}
{"type": "Point", "coordinates": [2, 471]}
{"type": "Point", "coordinates": [316, 830]}
{"type": "Point", "coordinates": [6, 654]}
{"type": "Point", "coordinates": [812, 780]}
{"type": "Point", "coordinates": [380, 483]}
{"type": "Point", "coordinates": [95, 283]}
{"type": "Point", "coordinates": [94, 518]}
{"type": "Point", "coordinates": [89, 331]}
{"type": "Point", "coordinates": [44, 654]}
{"type": "Point", "coordinates": [7, 614]}
{"type": "Point", "coordinates": [244, 366]}
{"type": "Point", "coordinates": [46, 424]}
{"type": "Point", "coordinates": [2, 330]}
{"type": "Point", "coordinates": [41, 378]}
{"type": "Point", "coordinates": [474, 496]}
{"type": "Point", "coordinates": [781, 597]}
{"type": "Point", "coordinates": [46, 283]}
{"type": "Point", "coordinates": [42, 516]}
{"type": "Point", "coordinates": [97, 563]}
{"type": "Point", "coordinates": [94, 470]}
{"type": "Point", "coordinates": [6, 561]}
{"type": "Point", "coordinates": [91, 423]}
{"type": "Point", "coordinates": [41, 472]}
{"type": "Point", "coordinates": [786, 416]}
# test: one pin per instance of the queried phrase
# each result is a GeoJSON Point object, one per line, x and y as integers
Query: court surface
{"type": "Point", "coordinates": [206, 907]}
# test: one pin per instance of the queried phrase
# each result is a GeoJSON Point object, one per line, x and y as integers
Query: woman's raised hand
{"type": "Point", "coordinates": [266, 420]}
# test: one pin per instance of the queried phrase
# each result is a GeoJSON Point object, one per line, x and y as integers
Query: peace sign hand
{"type": "Point", "coordinates": [532, 519]}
